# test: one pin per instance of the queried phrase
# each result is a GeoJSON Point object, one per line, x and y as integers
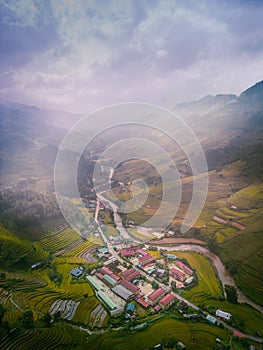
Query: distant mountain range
{"type": "Point", "coordinates": [228, 126]}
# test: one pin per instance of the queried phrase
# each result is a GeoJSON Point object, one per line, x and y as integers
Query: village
{"type": "Point", "coordinates": [135, 281]}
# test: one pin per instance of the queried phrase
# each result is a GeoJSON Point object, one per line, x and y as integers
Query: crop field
{"type": "Point", "coordinates": [245, 317]}
{"type": "Point", "coordinates": [247, 250]}
{"type": "Point", "coordinates": [59, 240]}
{"type": "Point", "coordinates": [196, 336]}
{"type": "Point", "coordinates": [208, 284]}
{"type": "Point", "coordinates": [84, 310]}
{"type": "Point", "coordinates": [59, 337]}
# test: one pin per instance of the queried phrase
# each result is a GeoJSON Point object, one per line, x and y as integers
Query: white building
{"type": "Point", "coordinates": [223, 314]}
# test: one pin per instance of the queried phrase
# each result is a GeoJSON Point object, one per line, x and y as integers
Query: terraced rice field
{"type": "Point", "coordinates": [59, 337]}
{"type": "Point", "coordinates": [58, 241]}
{"type": "Point", "coordinates": [196, 336]}
{"type": "Point", "coordinates": [97, 317]}
{"type": "Point", "coordinates": [67, 308]}
{"type": "Point", "coordinates": [247, 250]}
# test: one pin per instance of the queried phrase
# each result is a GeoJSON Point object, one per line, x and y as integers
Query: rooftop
{"type": "Point", "coordinates": [106, 271]}
{"type": "Point", "coordinates": [167, 299]}
{"type": "Point", "coordinates": [156, 294]}
{"type": "Point", "coordinates": [129, 286]}
{"type": "Point", "coordinates": [76, 272]}
{"type": "Point", "coordinates": [122, 292]}
{"type": "Point", "coordinates": [108, 279]}
{"type": "Point", "coordinates": [107, 300]}
{"type": "Point", "coordinates": [143, 302]}
{"type": "Point", "coordinates": [94, 283]}
{"type": "Point", "coordinates": [177, 272]}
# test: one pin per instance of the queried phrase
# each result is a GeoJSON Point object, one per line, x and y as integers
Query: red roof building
{"type": "Point", "coordinates": [105, 271]}
{"type": "Point", "coordinates": [142, 252]}
{"type": "Point", "coordinates": [167, 301]}
{"type": "Point", "coordinates": [157, 308]}
{"type": "Point", "coordinates": [178, 274]}
{"type": "Point", "coordinates": [156, 296]}
{"type": "Point", "coordinates": [99, 275]}
{"type": "Point", "coordinates": [133, 275]}
{"type": "Point", "coordinates": [127, 252]}
{"type": "Point", "coordinates": [143, 303]}
{"type": "Point", "coordinates": [115, 277]}
{"type": "Point", "coordinates": [128, 272]}
{"type": "Point", "coordinates": [185, 268]}
{"type": "Point", "coordinates": [146, 259]}
{"type": "Point", "coordinates": [131, 287]}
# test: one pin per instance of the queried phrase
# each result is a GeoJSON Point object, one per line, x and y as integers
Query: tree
{"type": "Point", "coordinates": [2, 312]}
{"type": "Point", "coordinates": [47, 319]}
{"type": "Point", "coordinates": [231, 294]}
{"type": "Point", "coordinates": [27, 320]}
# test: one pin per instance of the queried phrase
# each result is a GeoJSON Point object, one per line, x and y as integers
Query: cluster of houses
{"type": "Point", "coordinates": [178, 271]}
{"type": "Point", "coordinates": [124, 283]}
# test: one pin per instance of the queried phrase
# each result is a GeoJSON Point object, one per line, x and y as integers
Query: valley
{"type": "Point", "coordinates": [96, 290]}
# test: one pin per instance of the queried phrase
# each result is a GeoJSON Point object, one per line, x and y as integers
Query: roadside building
{"type": "Point", "coordinates": [130, 272]}
{"type": "Point", "coordinates": [211, 319]}
{"type": "Point", "coordinates": [145, 259]}
{"type": "Point", "coordinates": [133, 275]}
{"type": "Point", "coordinates": [157, 308]}
{"type": "Point", "coordinates": [167, 301]}
{"type": "Point", "coordinates": [225, 315]}
{"type": "Point", "coordinates": [126, 253]}
{"type": "Point", "coordinates": [155, 296]}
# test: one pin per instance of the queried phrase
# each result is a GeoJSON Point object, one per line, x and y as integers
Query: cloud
{"type": "Point", "coordinates": [81, 55]}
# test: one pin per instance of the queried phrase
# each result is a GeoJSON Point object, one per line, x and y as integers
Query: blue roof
{"type": "Point", "coordinates": [76, 272]}
{"type": "Point", "coordinates": [130, 307]}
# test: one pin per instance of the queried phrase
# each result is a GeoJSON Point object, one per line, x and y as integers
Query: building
{"type": "Point", "coordinates": [130, 272]}
{"type": "Point", "coordinates": [105, 271]}
{"type": "Point", "coordinates": [211, 319]}
{"type": "Point", "coordinates": [185, 268]}
{"type": "Point", "coordinates": [225, 315]}
{"type": "Point", "coordinates": [115, 277]}
{"type": "Point", "coordinates": [125, 253]}
{"type": "Point", "coordinates": [133, 275]}
{"type": "Point", "coordinates": [94, 283]}
{"type": "Point", "coordinates": [171, 256]}
{"type": "Point", "coordinates": [167, 301]}
{"type": "Point", "coordinates": [130, 309]}
{"type": "Point", "coordinates": [155, 296]}
{"type": "Point", "coordinates": [157, 308]}
{"type": "Point", "coordinates": [106, 300]}
{"type": "Point", "coordinates": [109, 280]}
{"type": "Point", "coordinates": [131, 287]}
{"type": "Point", "coordinates": [178, 274]}
{"type": "Point", "coordinates": [76, 273]}
{"type": "Point", "coordinates": [143, 303]}
{"type": "Point", "coordinates": [123, 292]}
{"type": "Point", "coordinates": [146, 259]}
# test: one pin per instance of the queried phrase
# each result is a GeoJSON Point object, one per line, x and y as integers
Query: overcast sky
{"type": "Point", "coordinates": [81, 55]}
